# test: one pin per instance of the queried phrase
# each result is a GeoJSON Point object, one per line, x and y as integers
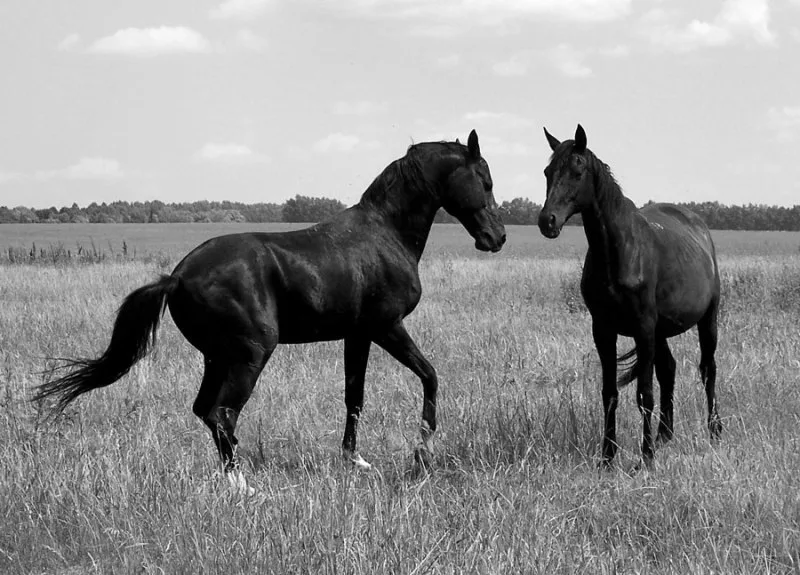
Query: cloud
{"type": "Point", "coordinates": [239, 9]}
{"type": "Point", "coordinates": [359, 108]}
{"type": "Point", "coordinates": [93, 168]}
{"type": "Point", "coordinates": [343, 143]}
{"type": "Point", "coordinates": [492, 12]}
{"type": "Point", "coordinates": [736, 19]}
{"type": "Point", "coordinates": [784, 122]}
{"type": "Point", "coordinates": [87, 168]}
{"type": "Point", "coordinates": [69, 43]}
{"type": "Point", "coordinates": [151, 42]}
{"type": "Point", "coordinates": [228, 153]}
{"type": "Point", "coordinates": [6, 177]}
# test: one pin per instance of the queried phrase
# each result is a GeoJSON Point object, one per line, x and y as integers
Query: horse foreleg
{"type": "Point", "coordinates": [606, 343]}
{"type": "Point", "coordinates": [645, 355]}
{"type": "Point", "coordinates": [665, 372]}
{"type": "Point", "coordinates": [399, 345]}
{"type": "Point", "coordinates": [356, 354]}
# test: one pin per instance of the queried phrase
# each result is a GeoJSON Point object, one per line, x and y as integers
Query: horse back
{"type": "Point", "coordinates": [319, 283]}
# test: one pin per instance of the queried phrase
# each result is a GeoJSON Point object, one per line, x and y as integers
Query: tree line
{"type": "Point", "coordinates": [519, 211]}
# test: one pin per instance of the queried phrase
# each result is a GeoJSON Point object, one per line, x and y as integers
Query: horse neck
{"type": "Point", "coordinates": [608, 222]}
{"type": "Point", "coordinates": [407, 201]}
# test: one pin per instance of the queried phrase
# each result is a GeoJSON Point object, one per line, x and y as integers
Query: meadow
{"type": "Point", "coordinates": [127, 480]}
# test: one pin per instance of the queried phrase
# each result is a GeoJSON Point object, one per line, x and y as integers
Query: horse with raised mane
{"type": "Point", "coordinates": [354, 278]}
{"type": "Point", "coordinates": [649, 274]}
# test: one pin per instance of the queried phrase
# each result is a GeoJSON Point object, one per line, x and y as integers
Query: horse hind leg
{"type": "Point", "coordinates": [226, 387]}
{"type": "Point", "coordinates": [707, 332]}
{"type": "Point", "coordinates": [665, 372]}
{"type": "Point", "coordinates": [356, 355]}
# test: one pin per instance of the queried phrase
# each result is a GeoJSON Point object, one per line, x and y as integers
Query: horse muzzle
{"type": "Point", "coordinates": [549, 225]}
{"type": "Point", "coordinates": [490, 243]}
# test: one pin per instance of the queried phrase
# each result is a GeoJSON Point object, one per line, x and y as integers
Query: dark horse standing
{"type": "Point", "coordinates": [649, 274]}
{"type": "Point", "coordinates": [354, 277]}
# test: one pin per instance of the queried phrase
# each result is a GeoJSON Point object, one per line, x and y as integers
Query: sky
{"type": "Point", "coordinates": [260, 100]}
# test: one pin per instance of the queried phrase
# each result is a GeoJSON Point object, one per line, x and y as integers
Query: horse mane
{"type": "Point", "coordinates": [605, 183]}
{"type": "Point", "coordinates": [402, 179]}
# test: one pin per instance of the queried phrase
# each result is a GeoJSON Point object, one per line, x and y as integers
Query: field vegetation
{"type": "Point", "coordinates": [127, 480]}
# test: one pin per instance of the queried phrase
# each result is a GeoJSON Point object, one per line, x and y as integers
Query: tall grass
{"type": "Point", "coordinates": [127, 480]}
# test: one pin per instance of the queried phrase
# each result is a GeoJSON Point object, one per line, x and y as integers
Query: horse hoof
{"type": "Point", "coordinates": [239, 483]}
{"type": "Point", "coordinates": [357, 461]}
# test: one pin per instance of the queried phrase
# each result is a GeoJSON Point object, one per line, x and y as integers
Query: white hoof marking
{"type": "Point", "coordinates": [239, 483]}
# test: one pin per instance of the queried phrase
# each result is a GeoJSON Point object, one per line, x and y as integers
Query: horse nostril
{"type": "Point", "coordinates": [552, 221]}
{"type": "Point", "coordinates": [502, 239]}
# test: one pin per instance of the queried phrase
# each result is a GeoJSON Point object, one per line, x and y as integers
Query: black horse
{"type": "Point", "coordinates": [649, 274]}
{"type": "Point", "coordinates": [354, 277]}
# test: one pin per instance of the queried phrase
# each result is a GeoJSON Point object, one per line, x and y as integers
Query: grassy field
{"type": "Point", "coordinates": [127, 480]}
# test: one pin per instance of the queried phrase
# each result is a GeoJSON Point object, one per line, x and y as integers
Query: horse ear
{"type": "Point", "coordinates": [473, 146]}
{"type": "Point", "coordinates": [554, 143]}
{"type": "Point", "coordinates": [580, 140]}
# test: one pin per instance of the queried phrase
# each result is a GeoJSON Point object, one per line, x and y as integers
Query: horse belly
{"type": "Point", "coordinates": [684, 300]}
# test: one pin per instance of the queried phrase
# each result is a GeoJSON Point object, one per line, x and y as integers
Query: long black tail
{"type": "Point", "coordinates": [631, 368]}
{"type": "Point", "coordinates": [133, 336]}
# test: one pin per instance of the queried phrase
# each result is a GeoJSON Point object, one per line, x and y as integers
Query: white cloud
{"type": "Point", "coordinates": [69, 43]}
{"type": "Point", "coordinates": [569, 61]}
{"type": "Point", "coordinates": [228, 153]}
{"type": "Point", "coordinates": [359, 108]}
{"type": "Point", "coordinates": [6, 177]}
{"type": "Point", "coordinates": [239, 9]}
{"type": "Point", "coordinates": [340, 142]}
{"type": "Point", "coordinates": [93, 168]}
{"type": "Point", "coordinates": [736, 19]}
{"type": "Point", "coordinates": [498, 120]}
{"type": "Point", "coordinates": [87, 168]}
{"type": "Point", "coordinates": [492, 11]}
{"type": "Point", "coordinates": [151, 41]}
{"type": "Point", "coordinates": [784, 122]}
{"type": "Point", "coordinates": [750, 17]}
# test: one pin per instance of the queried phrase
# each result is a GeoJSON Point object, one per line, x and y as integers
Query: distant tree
{"type": "Point", "coordinates": [306, 209]}
{"type": "Point", "coordinates": [520, 211]}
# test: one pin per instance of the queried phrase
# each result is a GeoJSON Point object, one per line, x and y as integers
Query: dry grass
{"type": "Point", "coordinates": [127, 480]}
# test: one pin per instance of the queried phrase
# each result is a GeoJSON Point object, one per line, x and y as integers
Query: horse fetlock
{"type": "Point", "coordinates": [715, 426]}
{"type": "Point", "coordinates": [239, 483]}
{"type": "Point", "coordinates": [353, 457]}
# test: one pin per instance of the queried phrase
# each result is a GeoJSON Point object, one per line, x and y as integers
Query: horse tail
{"type": "Point", "coordinates": [631, 368]}
{"type": "Point", "coordinates": [133, 336]}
